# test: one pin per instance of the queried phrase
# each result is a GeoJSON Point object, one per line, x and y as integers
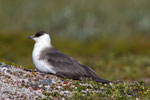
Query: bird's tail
{"type": "Point", "coordinates": [97, 79]}
{"type": "Point", "coordinates": [93, 75]}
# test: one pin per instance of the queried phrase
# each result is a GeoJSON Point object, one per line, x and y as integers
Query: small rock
{"type": "Point", "coordinates": [4, 65]}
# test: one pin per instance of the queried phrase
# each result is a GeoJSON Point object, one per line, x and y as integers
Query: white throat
{"type": "Point", "coordinates": [41, 43]}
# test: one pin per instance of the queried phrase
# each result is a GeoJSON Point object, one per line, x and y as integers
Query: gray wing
{"type": "Point", "coordinates": [66, 66]}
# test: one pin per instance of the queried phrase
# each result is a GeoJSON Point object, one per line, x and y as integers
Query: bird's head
{"type": "Point", "coordinates": [41, 36]}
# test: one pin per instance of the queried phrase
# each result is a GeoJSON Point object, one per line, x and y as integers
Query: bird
{"type": "Point", "coordinates": [48, 59]}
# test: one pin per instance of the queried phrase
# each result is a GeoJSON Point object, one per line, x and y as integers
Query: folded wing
{"type": "Point", "coordinates": [66, 66]}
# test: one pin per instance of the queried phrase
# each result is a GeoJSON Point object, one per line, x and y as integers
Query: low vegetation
{"type": "Point", "coordinates": [16, 83]}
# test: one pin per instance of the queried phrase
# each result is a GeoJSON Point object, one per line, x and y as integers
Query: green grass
{"type": "Point", "coordinates": [98, 91]}
{"type": "Point", "coordinates": [124, 91]}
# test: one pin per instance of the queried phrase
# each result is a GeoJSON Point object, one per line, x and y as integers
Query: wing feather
{"type": "Point", "coordinates": [65, 65]}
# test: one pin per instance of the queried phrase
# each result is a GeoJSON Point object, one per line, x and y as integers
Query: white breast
{"type": "Point", "coordinates": [41, 65]}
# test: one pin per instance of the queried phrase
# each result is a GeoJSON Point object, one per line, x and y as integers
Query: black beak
{"type": "Point", "coordinates": [30, 37]}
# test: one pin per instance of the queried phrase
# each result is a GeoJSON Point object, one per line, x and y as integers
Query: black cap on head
{"type": "Point", "coordinates": [40, 33]}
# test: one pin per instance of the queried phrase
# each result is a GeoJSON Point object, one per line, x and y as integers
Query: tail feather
{"type": "Point", "coordinates": [93, 75]}
{"type": "Point", "coordinates": [101, 80]}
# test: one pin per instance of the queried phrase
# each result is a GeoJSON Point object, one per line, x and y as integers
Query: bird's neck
{"type": "Point", "coordinates": [39, 46]}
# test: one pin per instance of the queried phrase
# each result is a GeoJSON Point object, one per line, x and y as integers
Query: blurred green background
{"type": "Point", "coordinates": [112, 37]}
